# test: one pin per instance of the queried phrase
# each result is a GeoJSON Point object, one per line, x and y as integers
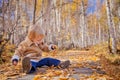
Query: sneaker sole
{"type": "Point", "coordinates": [65, 64]}
{"type": "Point", "coordinates": [26, 65]}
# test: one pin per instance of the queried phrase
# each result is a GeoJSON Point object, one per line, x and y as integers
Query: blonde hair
{"type": "Point", "coordinates": [33, 36]}
{"type": "Point", "coordinates": [35, 32]}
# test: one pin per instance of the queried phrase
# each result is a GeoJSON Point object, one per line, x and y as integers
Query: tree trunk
{"type": "Point", "coordinates": [83, 26]}
{"type": "Point", "coordinates": [111, 28]}
{"type": "Point", "coordinates": [34, 13]}
{"type": "Point", "coordinates": [3, 21]}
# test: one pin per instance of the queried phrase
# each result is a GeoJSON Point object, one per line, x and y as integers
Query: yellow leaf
{"type": "Point", "coordinates": [50, 74]}
{"type": "Point", "coordinates": [63, 78]}
{"type": "Point", "coordinates": [57, 73]}
{"type": "Point", "coordinates": [37, 77]}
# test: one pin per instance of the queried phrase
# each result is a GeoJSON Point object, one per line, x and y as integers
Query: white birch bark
{"type": "Point", "coordinates": [111, 27]}
{"type": "Point", "coordinates": [83, 26]}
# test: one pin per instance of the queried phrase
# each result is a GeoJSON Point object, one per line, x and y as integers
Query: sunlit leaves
{"type": "Point", "coordinates": [73, 6]}
{"type": "Point", "coordinates": [69, 9]}
{"type": "Point", "coordinates": [38, 7]}
{"type": "Point", "coordinates": [52, 74]}
{"type": "Point", "coordinates": [78, 60]}
{"type": "Point", "coordinates": [73, 21]}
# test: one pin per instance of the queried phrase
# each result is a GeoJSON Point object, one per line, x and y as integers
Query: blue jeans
{"type": "Point", "coordinates": [44, 62]}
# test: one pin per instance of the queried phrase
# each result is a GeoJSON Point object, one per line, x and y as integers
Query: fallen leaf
{"type": "Point", "coordinates": [63, 78]}
{"type": "Point", "coordinates": [37, 77]}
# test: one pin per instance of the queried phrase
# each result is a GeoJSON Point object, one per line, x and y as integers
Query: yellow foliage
{"type": "Point", "coordinates": [116, 20]}
{"type": "Point", "coordinates": [73, 6]}
{"type": "Point", "coordinates": [37, 77]}
{"type": "Point", "coordinates": [38, 7]}
{"type": "Point", "coordinates": [72, 79]}
{"type": "Point", "coordinates": [8, 51]}
{"type": "Point", "coordinates": [9, 47]}
{"type": "Point", "coordinates": [73, 21]}
{"type": "Point", "coordinates": [54, 73]}
{"type": "Point", "coordinates": [94, 58]}
{"type": "Point", "coordinates": [50, 74]}
{"type": "Point", "coordinates": [3, 77]}
{"type": "Point", "coordinates": [63, 78]}
{"type": "Point", "coordinates": [113, 58]}
{"type": "Point", "coordinates": [57, 73]}
{"type": "Point", "coordinates": [77, 1]}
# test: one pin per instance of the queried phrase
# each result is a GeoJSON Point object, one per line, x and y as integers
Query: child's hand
{"type": "Point", "coordinates": [54, 47]}
{"type": "Point", "coordinates": [14, 62]}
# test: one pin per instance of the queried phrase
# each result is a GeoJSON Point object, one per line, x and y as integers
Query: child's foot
{"type": "Point", "coordinates": [26, 65]}
{"type": "Point", "coordinates": [64, 64]}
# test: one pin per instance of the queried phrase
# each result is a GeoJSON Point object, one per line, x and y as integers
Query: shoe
{"type": "Point", "coordinates": [64, 64]}
{"type": "Point", "coordinates": [26, 66]}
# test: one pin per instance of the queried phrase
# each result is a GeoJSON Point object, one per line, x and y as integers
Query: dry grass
{"type": "Point", "coordinates": [110, 62]}
{"type": "Point", "coordinates": [111, 69]}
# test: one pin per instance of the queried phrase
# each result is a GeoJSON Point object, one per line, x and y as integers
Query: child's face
{"type": "Point", "coordinates": [38, 41]}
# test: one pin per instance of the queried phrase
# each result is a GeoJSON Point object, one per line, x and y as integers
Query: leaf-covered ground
{"type": "Point", "coordinates": [84, 66]}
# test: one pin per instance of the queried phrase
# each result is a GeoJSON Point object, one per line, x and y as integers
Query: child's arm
{"type": "Point", "coordinates": [18, 53]}
{"type": "Point", "coordinates": [44, 47]}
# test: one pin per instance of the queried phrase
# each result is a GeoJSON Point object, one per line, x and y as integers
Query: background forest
{"type": "Point", "coordinates": [67, 23]}
{"type": "Point", "coordinates": [70, 24]}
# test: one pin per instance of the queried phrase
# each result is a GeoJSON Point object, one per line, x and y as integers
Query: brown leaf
{"type": "Point", "coordinates": [63, 78]}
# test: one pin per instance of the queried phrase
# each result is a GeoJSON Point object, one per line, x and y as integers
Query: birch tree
{"type": "Point", "coordinates": [34, 11]}
{"type": "Point", "coordinates": [113, 48]}
{"type": "Point", "coordinates": [3, 13]}
{"type": "Point", "coordinates": [83, 25]}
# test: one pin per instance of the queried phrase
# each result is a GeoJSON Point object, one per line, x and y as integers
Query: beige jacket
{"type": "Point", "coordinates": [29, 49]}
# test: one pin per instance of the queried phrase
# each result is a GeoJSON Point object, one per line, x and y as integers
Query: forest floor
{"type": "Point", "coordinates": [85, 65]}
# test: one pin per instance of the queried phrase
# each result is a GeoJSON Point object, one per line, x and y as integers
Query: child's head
{"type": "Point", "coordinates": [36, 33]}
{"type": "Point", "coordinates": [35, 37]}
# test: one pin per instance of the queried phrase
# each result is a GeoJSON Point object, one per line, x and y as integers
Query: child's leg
{"type": "Point", "coordinates": [34, 66]}
{"type": "Point", "coordinates": [28, 66]}
{"type": "Point", "coordinates": [45, 61]}
{"type": "Point", "coordinates": [48, 62]}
